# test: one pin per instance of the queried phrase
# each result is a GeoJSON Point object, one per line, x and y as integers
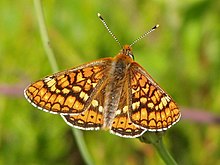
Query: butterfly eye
{"type": "Point", "coordinates": [131, 55]}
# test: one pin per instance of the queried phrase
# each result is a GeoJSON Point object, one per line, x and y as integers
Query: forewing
{"type": "Point", "coordinates": [152, 108]}
{"type": "Point", "coordinates": [70, 91]}
{"type": "Point", "coordinates": [92, 118]}
{"type": "Point", "coordinates": [122, 124]}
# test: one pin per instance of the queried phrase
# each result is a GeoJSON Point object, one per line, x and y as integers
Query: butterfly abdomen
{"type": "Point", "coordinates": [117, 77]}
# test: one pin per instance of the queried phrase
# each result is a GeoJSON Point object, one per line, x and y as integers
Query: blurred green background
{"type": "Point", "coordinates": [183, 56]}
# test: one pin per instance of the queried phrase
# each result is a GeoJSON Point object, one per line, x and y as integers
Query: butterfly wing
{"type": "Point", "coordinates": [70, 91]}
{"type": "Point", "coordinates": [122, 124]}
{"type": "Point", "coordinates": [92, 118]}
{"type": "Point", "coordinates": [152, 108]}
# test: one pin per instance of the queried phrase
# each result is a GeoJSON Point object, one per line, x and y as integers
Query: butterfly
{"type": "Point", "coordinates": [114, 94]}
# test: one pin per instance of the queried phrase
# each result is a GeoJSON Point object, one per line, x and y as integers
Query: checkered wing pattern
{"type": "Point", "coordinates": [70, 91]}
{"type": "Point", "coordinates": [92, 118]}
{"type": "Point", "coordinates": [152, 109]}
{"type": "Point", "coordinates": [122, 124]}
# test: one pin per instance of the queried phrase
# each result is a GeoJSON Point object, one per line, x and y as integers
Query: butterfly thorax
{"type": "Point", "coordinates": [116, 80]}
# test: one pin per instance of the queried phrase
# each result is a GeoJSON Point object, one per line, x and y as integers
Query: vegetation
{"type": "Point", "coordinates": [182, 55]}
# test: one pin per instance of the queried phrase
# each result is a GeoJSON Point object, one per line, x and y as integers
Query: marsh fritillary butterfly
{"type": "Point", "coordinates": [114, 94]}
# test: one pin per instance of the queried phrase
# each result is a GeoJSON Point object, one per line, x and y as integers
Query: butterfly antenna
{"type": "Point", "coordinates": [145, 34]}
{"type": "Point", "coordinates": [106, 26]}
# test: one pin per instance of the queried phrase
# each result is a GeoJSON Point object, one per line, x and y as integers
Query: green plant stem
{"type": "Point", "coordinates": [44, 35]}
{"type": "Point", "coordinates": [50, 54]}
{"type": "Point", "coordinates": [164, 154]}
{"type": "Point", "coordinates": [82, 146]}
{"type": "Point", "coordinates": [156, 139]}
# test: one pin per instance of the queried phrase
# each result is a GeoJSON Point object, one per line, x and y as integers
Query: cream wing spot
{"type": "Point", "coordinates": [53, 88]}
{"type": "Point", "coordinates": [164, 101]}
{"type": "Point", "coordinates": [118, 112]}
{"type": "Point", "coordinates": [168, 98]}
{"type": "Point", "coordinates": [150, 105]}
{"type": "Point", "coordinates": [95, 103]}
{"type": "Point", "coordinates": [76, 89]}
{"type": "Point", "coordinates": [65, 90]}
{"type": "Point", "coordinates": [57, 91]}
{"type": "Point", "coordinates": [100, 108]}
{"type": "Point", "coordinates": [136, 105]}
{"type": "Point", "coordinates": [161, 106]}
{"type": "Point", "coordinates": [50, 83]}
{"type": "Point", "coordinates": [46, 79]}
{"type": "Point", "coordinates": [94, 85]}
{"type": "Point", "coordinates": [125, 109]}
{"type": "Point", "coordinates": [83, 96]}
{"type": "Point", "coordinates": [143, 100]}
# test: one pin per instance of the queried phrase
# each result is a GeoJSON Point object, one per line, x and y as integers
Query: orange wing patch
{"type": "Point", "coordinates": [91, 118]}
{"type": "Point", "coordinates": [122, 126]}
{"type": "Point", "coordinates": [152, 108]}
{"type": "Point", "coordinates": [70, 91]}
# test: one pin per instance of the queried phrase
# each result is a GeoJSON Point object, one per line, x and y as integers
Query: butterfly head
{"type": "Point", "coordinates": [127, 50]}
